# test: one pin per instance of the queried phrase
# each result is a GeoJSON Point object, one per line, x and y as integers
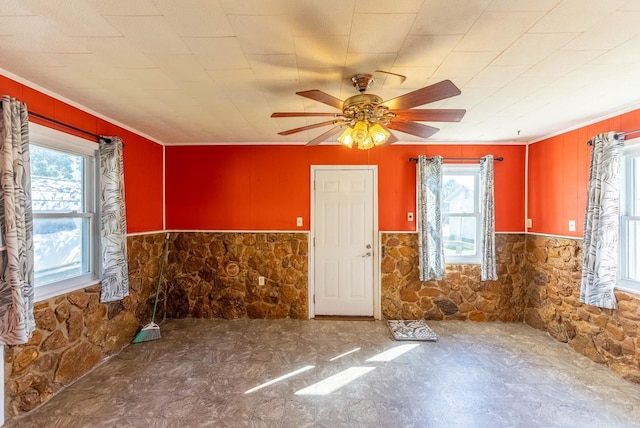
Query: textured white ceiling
{"type": "Point", "coordinates": [205, 71]}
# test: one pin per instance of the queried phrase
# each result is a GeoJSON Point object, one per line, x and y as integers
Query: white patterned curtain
{"type": "Point", "coordinates": [16, 266]}
{"type": "Point", "coordinates": [600, 244]}
{"type": "Point", "coordinates": [113, 221]}
{"type": "Point", "coordinates": [488, 237]}
{"type": "Point", "coordinates": [429, 195]}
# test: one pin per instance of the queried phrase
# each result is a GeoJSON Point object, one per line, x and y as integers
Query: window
{"type": "Point", "coordinates": [63, 195]}
{"type": "Point", "coordinates": [461, 213]}
{"type": "Point", "coordinates": [629, 271]}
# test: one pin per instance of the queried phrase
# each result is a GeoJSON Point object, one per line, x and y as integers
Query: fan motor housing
{"type": "Point", "coordinates": [361, 99]}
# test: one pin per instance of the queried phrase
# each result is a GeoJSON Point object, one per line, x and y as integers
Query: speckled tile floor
{"type": "Point", "coordinates": [477, 375]}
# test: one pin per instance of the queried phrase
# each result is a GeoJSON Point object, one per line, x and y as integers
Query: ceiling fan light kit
{"type": "Point", "coordinates": [368, 118]}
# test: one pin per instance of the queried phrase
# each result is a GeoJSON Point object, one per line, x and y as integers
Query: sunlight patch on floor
{"type": "Point", "coordinates": [335, 382]}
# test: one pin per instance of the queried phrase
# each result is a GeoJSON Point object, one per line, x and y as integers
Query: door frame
{"type": "Point", "coordinates": [375, 244]}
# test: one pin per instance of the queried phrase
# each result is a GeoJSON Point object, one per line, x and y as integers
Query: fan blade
{"type": "Point", "coordinates": [300, 114]}
{"type": "Point", "coordinates": [322, 97]}
{"type": "Point", "coordinates": [320, 138]}
{"type": "Point", "coordinates": [413, 128]}
{"type": "Point", "coordinates": [429, 115]}
{"type": "Point", "coordinates": [304, 128]}
{"type": "Point", "coordinates": [428, 94]}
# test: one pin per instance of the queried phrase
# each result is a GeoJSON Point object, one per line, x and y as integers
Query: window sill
{"type": "Point", "coordinates": [628, 288]}
{"type": "Point", "coordinates": [48, 291]}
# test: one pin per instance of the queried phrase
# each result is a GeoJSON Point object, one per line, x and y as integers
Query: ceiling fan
{"type": "Point", "coordinates": [368, 118]}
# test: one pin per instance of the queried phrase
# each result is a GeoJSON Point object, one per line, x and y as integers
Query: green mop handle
{"type": "Point", "coordinates": [164, 256]}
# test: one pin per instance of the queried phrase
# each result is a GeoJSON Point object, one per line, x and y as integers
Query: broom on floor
{"type": "Point", "coordinates": [151, 331]}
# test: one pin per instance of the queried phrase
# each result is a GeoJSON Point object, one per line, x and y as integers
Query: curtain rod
{"type": "Point", "coordinates": [66, 125]}
{"type": "Point", "coordinates": [619, 134]}
{"type": "Point", "coordinates": [499, 159]}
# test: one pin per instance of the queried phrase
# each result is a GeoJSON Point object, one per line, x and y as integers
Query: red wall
{"type": "Point", "coordinates": [559, 174]}
{"type": "Point", "coordinates": [267, 187]}
{"type": "Point", "coordinates": [142, 157]}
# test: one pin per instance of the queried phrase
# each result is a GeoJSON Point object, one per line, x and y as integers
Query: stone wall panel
{"type": "Point", "coordinates": [604, 335]}
{"type": "Point", "coordinates": [461, 295]}
{"type": "Point", "coordinates": [74, 332]}
{"type": "Point", "coordinates": [215, 275]}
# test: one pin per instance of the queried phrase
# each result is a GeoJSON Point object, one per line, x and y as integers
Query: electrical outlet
{"type": "Point", "coordinates": [529, 223]}
{"type": "Point", "coordinates": [572, 225]}
{"type": "Point", "coordinates": [261, 280]}
{"type": "Point", "coordinates": [299, 221]}
{"type": "Point", "coordinates": [409, 216]}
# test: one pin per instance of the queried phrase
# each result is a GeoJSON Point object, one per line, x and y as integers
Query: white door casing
{"type": "Point", "coordinates": [344, 241]}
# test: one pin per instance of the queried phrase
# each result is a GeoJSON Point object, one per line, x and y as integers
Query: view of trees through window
{"type": "Point", "coordinates": [58, 231]}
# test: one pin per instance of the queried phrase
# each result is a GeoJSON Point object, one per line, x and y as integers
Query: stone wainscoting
{"type": "Point", "coordinates": [611, 337]}
{"type": "Point", "coordinates": [461, 295]}
{"type": "Point", "coordinates": [215, 275]}
{"type": "Point", "coordinates": [75, 332]}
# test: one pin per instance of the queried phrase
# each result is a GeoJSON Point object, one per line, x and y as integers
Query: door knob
{"type": "Point", "coordinates": [368, 246]}
{"type": "Point", "coordinates": [367, 254]}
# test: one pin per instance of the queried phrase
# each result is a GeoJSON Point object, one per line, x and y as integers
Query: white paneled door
{"type": "Point", "coordinates": [344, 241]}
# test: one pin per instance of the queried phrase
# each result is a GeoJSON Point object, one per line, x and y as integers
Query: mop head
{"type": "Point", "coordinates": [149, 332]}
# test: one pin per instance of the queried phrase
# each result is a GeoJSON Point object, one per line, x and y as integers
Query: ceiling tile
{"type": "Point", "coordinates": [274, 67]}
{"type": "Point", "coordinates": [464, 64]}
{"type": "Point", "coordinates": [425, 51]}
{"type": "Point", "coordinates": [611, 31]}
{"type": "Point", "coordinates": [196, 18]}
{"type": "Point", "coordinates": [496, 31]}
{"type": "Point", "coordinates": [441, 17]}
{"type": "Point", "coordinates": [150, 34]}
{"type": "Point", "coordinates": [79, 20]}
{"type": "Point", "coordinates": [386, 6]}
{"type": "Point", "coordinates": [561, 63]}
{"type": "Point", "coordinates": [497, 76]}
{"type": "Point", "coordinates": [218, 52]}
{"type": "Point", "coordinates": [325, 18]}
{"type": "Point", "coordinates": [624, 54]}
{"type": "Point", "coordinates": [117, 50]}
{"type": "Point", "coordinates": [255, 7]}
{"type": "Point", "coordinates": [521, 5]}
{"type": "Point", "coordinates": [124, 7]}
{"type": "Point", "coordinates": [262, 34]}
{"type": "Point", "coordinates": [181, 68]}
{"type": "Point", "coordinates": [14, 8]}
{"type": "Point", "coordinates": [366, 36]}
{"type": "Point", "coordinates": [321, 51]}
{"type": "Point", "coordinates": [532, 48]}
{"type": "Point", "coordinates": [572, 16]}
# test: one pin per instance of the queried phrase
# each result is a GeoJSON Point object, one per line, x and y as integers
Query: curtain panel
{"type": "Point", "coordinates": [16, 219]}
{"type": "Point", "coordinates": [113, 221]}
{"type": "Point", "coordinates": [487, 212]}
{"type": "Point", "coordinates": [429, 202]}
{"type": "Point", "coordinates": [601, 225]}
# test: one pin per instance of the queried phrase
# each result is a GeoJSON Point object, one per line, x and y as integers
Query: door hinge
{"type": "Point", "coordinates": [314, 299]}
{"type": "Point", "coordinates": [314, 185]}
{"type": "Point", "coordinates": [314, 241]}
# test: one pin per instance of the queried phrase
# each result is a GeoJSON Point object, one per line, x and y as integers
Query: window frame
{"type": "Point", "coordinates": [627, 191]}
{"type": "Point", "coordinates": [474, 171]}
{"type": "Point", "coordinates": [56, 140]}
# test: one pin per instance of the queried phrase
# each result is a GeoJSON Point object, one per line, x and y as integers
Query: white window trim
{"type": "Point", "coordinates": [631, 147]}
{"type": "Point", "coordinates": [57, 140]}
{"type": "Point", "coordinates": [472, 170]}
